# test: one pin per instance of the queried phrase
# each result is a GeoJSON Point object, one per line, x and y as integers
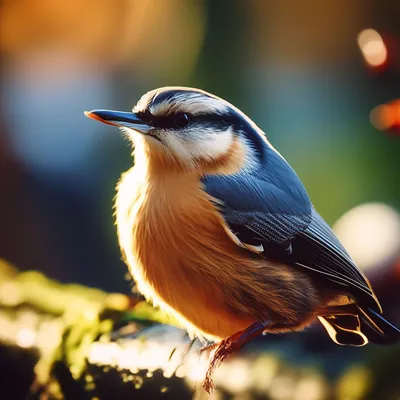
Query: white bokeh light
{"type": "Point", "coordinates": [371, 234]}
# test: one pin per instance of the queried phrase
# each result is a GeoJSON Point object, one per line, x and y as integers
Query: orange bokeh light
{"type": "Point", "coordinates": [386, 116]}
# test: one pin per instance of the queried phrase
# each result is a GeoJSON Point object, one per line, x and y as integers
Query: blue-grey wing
{"type": "Point", "coordinates": [283, 221]}
{"type": "Point", "coordinates": [258, 211]}
{"type": "Point", "coordinates": [318, 249]}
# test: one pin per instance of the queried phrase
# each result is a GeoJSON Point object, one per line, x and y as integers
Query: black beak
{"type": "Point", "coordinates": [121, 119]}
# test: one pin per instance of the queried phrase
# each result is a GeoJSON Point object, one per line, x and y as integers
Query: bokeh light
{"type": "Point", "coordinates": [372, 47]}
{"type": "Point", "coordinates": [371, 234]}
{"type": "Point", "coordinates": [386, 116]}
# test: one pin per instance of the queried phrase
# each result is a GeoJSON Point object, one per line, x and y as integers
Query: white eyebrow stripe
{"type": "Point", "coordinates": [190, 102]}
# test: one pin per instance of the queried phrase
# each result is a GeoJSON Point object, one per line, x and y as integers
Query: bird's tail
{"type": "Point", "coordinates": [359, 329]}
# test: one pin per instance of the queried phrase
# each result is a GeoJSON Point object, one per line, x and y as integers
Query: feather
{"type": "Point", "coordinates": [183, 261]}
{"type": "Point", "coordinates": [344, 330]}
{"type": "Point", "coordinates": [318, 249]}
{"type": "Point", "coordinates": [271, 208]}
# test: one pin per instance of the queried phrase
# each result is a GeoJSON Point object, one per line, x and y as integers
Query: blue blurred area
{"type": "Point", "coordinates": [64, 163]}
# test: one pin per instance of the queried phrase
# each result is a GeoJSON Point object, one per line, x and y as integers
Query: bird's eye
{"type": "Point", "coordinates": [181, 120]}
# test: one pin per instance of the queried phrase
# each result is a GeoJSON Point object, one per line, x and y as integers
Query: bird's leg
{"type": "Point", "coordinates": [208, 348]}
{"type": "Point", "coordinates": [228, 346]}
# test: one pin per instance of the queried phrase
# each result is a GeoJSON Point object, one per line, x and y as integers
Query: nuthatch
{"type": "Point", "coordinates": [218, 230]}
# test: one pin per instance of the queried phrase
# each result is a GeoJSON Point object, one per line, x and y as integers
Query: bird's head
{"type": "Point", "coordinates": [189, 129]}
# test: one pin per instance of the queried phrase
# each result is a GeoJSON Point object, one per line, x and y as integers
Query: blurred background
{"type": "Point", "coordinates": [322, 79]}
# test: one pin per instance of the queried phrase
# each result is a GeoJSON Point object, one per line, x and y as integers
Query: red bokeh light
{"type": "Point", "coordinates": [386, 117]}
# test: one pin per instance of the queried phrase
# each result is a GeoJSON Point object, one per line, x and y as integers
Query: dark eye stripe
{"type": "Point", "coordinates": [219, 122]}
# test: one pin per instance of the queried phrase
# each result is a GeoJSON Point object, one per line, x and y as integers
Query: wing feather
{"type": "Point", "coordinates": [283, 221]}
{"type": "Point", "coordinates": [319, 249]}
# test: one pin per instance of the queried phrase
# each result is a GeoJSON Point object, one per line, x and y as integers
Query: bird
{"type": "Point", "coordinates": [218, 230]}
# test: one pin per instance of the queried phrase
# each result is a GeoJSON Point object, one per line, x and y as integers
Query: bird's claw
{"type": "Point", "coordinates": [222, 351]}
{"type": "Point", "coordinates": [208, 348]}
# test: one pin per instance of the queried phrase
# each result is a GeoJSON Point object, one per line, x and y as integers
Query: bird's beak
{"type": "Point", "coordinates": [120, 118]}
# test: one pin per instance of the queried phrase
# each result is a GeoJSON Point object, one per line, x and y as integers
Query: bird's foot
{"type": "Point", "coordinates": [209, 348]}
{"type": "Point", "coordinates": [227, 347]}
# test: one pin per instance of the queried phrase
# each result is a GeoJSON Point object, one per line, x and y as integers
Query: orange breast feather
{"type": "Point", "coordinates": [179, 254]}
{"type": "Point", "coordinates": [183, 261]}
